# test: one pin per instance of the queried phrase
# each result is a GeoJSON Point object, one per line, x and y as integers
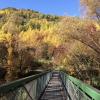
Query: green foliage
{"type": "Point", "coordinates": [63, 69]}
{"type": "Point", "coordinates": [96, 80]}
{"type": "Point", "coordinates": [41, 16]}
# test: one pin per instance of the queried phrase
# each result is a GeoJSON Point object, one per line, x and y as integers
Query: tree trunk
{"type": "Point", "coordinates": [91, 73]}
{"type": "Point", "coordinates": [21, 60]}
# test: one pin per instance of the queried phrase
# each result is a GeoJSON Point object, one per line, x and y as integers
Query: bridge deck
{"type": "Point", "coordinates": [54, 90]}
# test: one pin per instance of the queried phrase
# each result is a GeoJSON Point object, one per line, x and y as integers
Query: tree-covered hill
{"type": "Point", "coordinates": [28, 37]}
{"type": "Point", "coordinates": [21, 19]}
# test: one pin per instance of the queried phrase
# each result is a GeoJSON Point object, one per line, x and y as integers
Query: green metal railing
{"type": "Point", "coordinates": [29, 88]}
{"type": "Point", "coordinates": [77, 90]}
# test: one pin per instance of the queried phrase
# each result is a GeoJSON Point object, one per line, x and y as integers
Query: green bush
{"type": "Point", "coordinates": [63, 69]}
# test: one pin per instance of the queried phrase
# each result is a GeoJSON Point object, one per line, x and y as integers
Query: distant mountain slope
{"type": "Point", "coordinates": [22, 19]}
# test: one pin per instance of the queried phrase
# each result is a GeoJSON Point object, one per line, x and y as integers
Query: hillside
{"type": "Point", "coordinates": [27, 38]}
{"type": "Point", "coordinates": [22, 19]}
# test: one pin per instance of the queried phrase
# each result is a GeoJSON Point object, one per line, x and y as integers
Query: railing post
{"type": "Point", "coordinates": [68, 89]}
{"type": "Point", "coordinates": [35, 89]}
{"type": "Point", "coordinates": [43, 81]}
{"type": "Point", "coordinates": [78, 95]}
{"type": "Point", "coordinates": [42, 84]}
{"type": "Point", "coordinates": [65, 87]}
{"type": "Point", "coordinates": [20, 93]}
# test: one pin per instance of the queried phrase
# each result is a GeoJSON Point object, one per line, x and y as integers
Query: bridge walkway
{"type": "Point", "coordinates": [54, 90]}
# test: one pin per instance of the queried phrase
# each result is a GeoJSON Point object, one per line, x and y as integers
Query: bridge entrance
{"type": "Point", "coordinates": [54, 89]}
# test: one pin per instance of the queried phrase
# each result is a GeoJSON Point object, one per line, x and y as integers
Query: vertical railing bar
{"type": "Point", "coordinates": [27, 92]}
{"type": "Point", "coordinates": [42, 83]}
{"type": "Point", "coordinates": [78, 95]}
{"type": "Point", "coordinates": [20, 93]}
{"type": "Point", "coordinates": [84, 95]}
{"type": "Point", "coordinates": [65, 87]}
{"type": "Point", "coordinates": [36, 89]}
{"type": "Point", "coordinates": [68, 86]}
{"type": "Point", "coordinates": [39, 87]}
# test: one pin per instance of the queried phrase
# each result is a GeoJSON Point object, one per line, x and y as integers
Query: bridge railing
{"type": "Point", "coordinates": [29, 88]}
{"type": "Point", "coordinates": [77, 90]}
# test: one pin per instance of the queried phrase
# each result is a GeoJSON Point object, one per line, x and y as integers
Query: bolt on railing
{"type": "Point", "coordinates": [75, 89]}
{"type": "Point", "coordinates": [29, 88]}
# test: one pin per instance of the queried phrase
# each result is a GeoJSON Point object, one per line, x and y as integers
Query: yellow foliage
{"type": "Point", "coordinates": [64, 60]}
{"type": "Point", "coordinates": [68, 56]}
{"type": "Point", "coordinates": [31, 37]}
{"type": "Point", "coordinates": [10, 50]}
{"type": "Point", "coordinates": [9, 62]}
{"type": "Point", "coordinates": [35, 37]}
{"type": "Point", "coordinates": [50, 37]}
{"type": "Point", "coordinates": [2, 12]}
{"type": "Point", "coordinates": [97, 26]}
{"type": "Point", "coordinates": [2, 37]}
{"type": "Point", "coordinates": [9, 37]}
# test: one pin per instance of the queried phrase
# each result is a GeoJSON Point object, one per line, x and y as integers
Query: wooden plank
{"type": "Point", "coordinates": [54, 90]}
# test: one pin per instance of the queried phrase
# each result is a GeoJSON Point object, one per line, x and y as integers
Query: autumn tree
{"type": "Point", "coordinates": [41, 16]}
{"type": "Point", "coordinates": [81, 30]}
{"type": "Point", "coordinates": [41, 51]}
{"type": "Point", "coordinates": [59, 54]}
{"type": "Point", "coordinates": [50, 51]}
{"type": "Point", "coordinates": [90, 9]}
{"type": "Point", "coordinates": [75, 30]}
{"type": "Point", "coordinates": [3, 52]}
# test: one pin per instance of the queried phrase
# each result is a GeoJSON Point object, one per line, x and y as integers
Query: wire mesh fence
{"type": "Point", "coordinates": [74, 92]}
{"type": "Point", "coordinates": [28, 91]}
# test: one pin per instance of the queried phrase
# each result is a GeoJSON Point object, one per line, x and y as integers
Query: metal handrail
{"type": "Point", "coordinates": [20, 82]}
{"type": "Point", "coordinates": [85, 88]}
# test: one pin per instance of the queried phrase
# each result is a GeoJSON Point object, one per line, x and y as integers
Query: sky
{"type": "Point", "coordinates": [56, 7]}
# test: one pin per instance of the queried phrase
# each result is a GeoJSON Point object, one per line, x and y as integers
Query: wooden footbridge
{"type": "Point", "coordinates": [51, 85]}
